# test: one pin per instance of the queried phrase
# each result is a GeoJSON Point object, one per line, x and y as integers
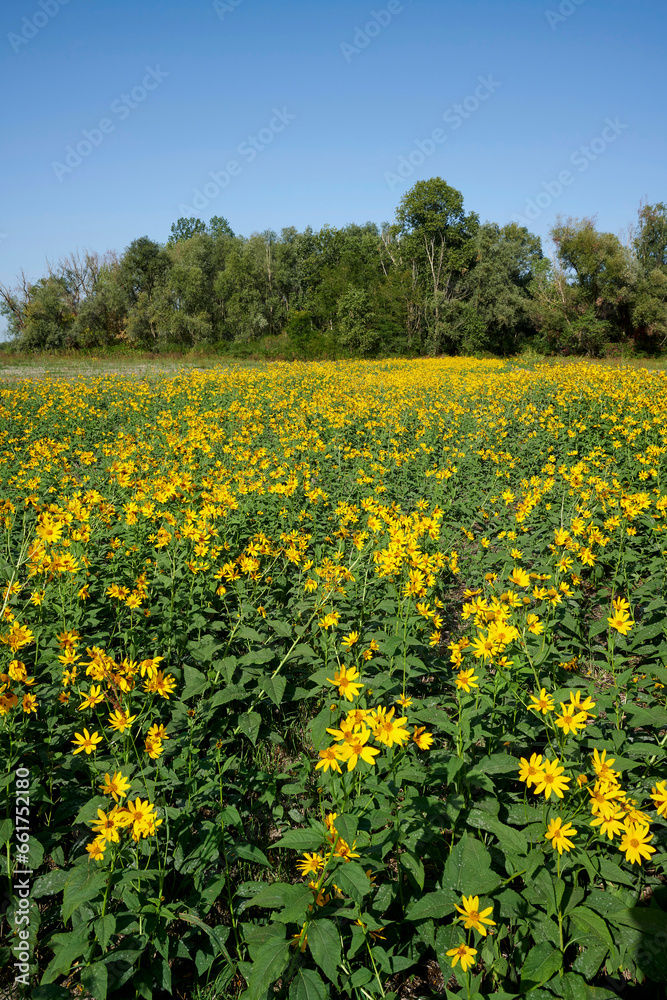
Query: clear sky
{"type": "Point", "coordinates": [116, 113]}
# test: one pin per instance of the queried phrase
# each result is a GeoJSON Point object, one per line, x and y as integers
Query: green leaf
{"type": "Point", "coordinates": [308, 985]}
{"type": "Point", "coordinates": [88, 812]}
{"type": "Point", "coordinates": [496, 763]}
{"type": "Point", "coordinates": [257, 656]}
{"type": "Point", "coordinates": [6, 831]}
{"type": "Point", "coordinates": [612, 872]}
{"type": "Point", "coordinates": [589, 960]}
{"type": "Point", "coordinates": [468, 868]}
{"type": "Point", "coordinates": [195, 682]}
{"type": "Point", "coordinates": [542, 962]}
{"type": "Point", "coordinates": [646, 632]}
{"type": "Point", "coordinates": [249, 852]}
{"type": "Point", "coordinates": [277, 894]}
{"type": "Point", "coordinates": [301, 840]}
{"type": "Point", "coordinates": [82, 886]}
{"type": "Point", "coordinates": [414, 866]}
{"type": "Point", "coordinates": [639, 716]}
{"type": "Point", "coordinates": [650, 920]}
{"type": "Point", "coordinates": [434, 905]}
{"type": "Point", "coordinates": [249, 724]}
{"type": "Point", "coordinates": [598, 628]}
{"type": "Point", "coordinates": [324, 944]}
{"type": "Point", "coordinates": [353, 880]}
{"type": "Point", "coordinates": [94, 979]}
{"type": "Point", "coordinates": [232, 692]}
{"type": "Point", "coordinates": [283, 629]}
{"type": "Point", "coordinates": [274, 687]}
{"type": "Point", "coordinates": [571, 987]}
{"type": "Point", "coordinates": [542, 890]}
{"type": "Point", "coordinates": [346, 827]}
{"type": "Point", "coordinates": [104, 928]}
{"type": "Point", "coordinates": [49, 884]}
{"type": "Point", "coordinates": [592, 922]}
{"type": "Point", "coordinates": [66, 949]}
{"type": "Point", "coordinates": [268, 963]}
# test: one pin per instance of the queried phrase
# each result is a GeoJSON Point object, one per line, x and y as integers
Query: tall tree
{"type": "Point", "coordinates": [185, 229]}
{"type": "Point", "coordinates": [436, 238]}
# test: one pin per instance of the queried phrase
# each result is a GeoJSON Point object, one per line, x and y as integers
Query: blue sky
{"type": "Point", "coordinates": [331, 98]}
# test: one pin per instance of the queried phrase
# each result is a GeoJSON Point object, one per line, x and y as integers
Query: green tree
{"type": "Point", "coordinates": [102, 316]}
{"type": "Point", "coordinates": [435, 238]}
{"type": "Point", "coordinates": [356, 322]}
{"type": "Point", "coordinates": [508, 258]}
{"type": "Point", "coordinates": [185, 229]}
{"type": "Point", "coordinates": [219, 228]}
{"type": "Point", "coordinates": [143, 270]}
{"type": "Point", "coordinates": [49, 316]}
{"type": "Point", "coordinates": [649, 310]}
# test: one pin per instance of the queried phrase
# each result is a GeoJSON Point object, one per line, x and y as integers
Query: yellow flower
{"type": "Point", "coordinates": [530, 770]}
{"type": "Point", "coordinates": [422, 738]}
{"type": "Point", "coordinates": [311, 864]}
{"type": "Point", "coordinates": [107, 825]}
{"type": "Point", "coordinates": [621, 622]}
{"type": "Point", "coordinates": [543, 704]}
{"type": "Point", "coordinates": [329, 758]}
{"type": "Point", "coordinates": [570, 721]}
{"type": "Point", "coordinates": [519, 577]}
{"type": "Point", "coordinates": [387, 729]}
{"type": "Point", "coordinates": [464, 954]}
{"type": "Point", "coordinates": [346, 679]}
{"type": "Point", "coordinates": [116, 786]}
{"type": "Point", "coordinates": [350, 640]}
{"type": "Point", "coordinates": [659, 796]}
{"type": "Point", "coordinates": [86, 742]}
{"type": "Point", "coordinates": [355, 748]}
{"type": "Point", "coordinates": [466, 679]}
{"type": "Point", "coordinates": [551, 779]}
{"type": "Point", "coordinates": [96, 848]}
{"type": "Point", "coordinates": [153, 747]}
{"type": "Point", "coordinates": [120, 721]}
{"type": "Point", "coordinates": [94, 697]}
{"type": "Point", "coordinates": [558, 833]}
{"type": "Point", "coordinates": [534, 624]}
{"type": "Point", "coordinates": [635, 843]}
{"type": "Point", "coordinates": [582, 706]}
{"type": "Point", "coordinates": [30, 703]}
{"type": "Point", "coordinates": [472, 916]}
{"type": "Point", "coordinates": [611, 824]}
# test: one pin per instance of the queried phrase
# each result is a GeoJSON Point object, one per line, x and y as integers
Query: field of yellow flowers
{"type": "Point", "coordinates": [335, 680]}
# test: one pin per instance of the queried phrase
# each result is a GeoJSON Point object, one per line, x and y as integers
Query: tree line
{"type": "Point", "coordinates": [434, 281]}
